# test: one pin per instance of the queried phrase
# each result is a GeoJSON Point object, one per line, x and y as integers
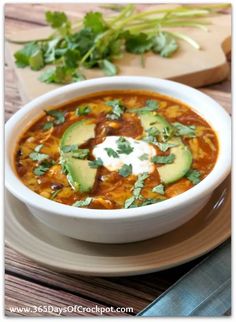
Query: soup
{"type": "Point", "coordinates": [118, 149]}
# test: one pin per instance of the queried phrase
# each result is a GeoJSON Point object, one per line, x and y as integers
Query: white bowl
{"type": "Point", "coordinates": [120, 225]}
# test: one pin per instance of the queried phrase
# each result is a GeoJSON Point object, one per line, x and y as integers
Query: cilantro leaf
{"type": "Point", "coordinates": [139, 184]}
{"type": "Point", "coordinates": [36, 155]}
{"type": "Point", "coordinates": [111, 153]}
{"type": "Point", "coordinates": [150, 106]}
{"type": "Point", "coordinates": [82, 110]}
{"type": "Point", "coordinates": [163, 159]}
{"type": "Point", "coordinates": [58, 20]}
{"type": "Point", "coordinates": [83, 203]}
{"type": "Point", "coordinates": [129, 202]}
{"type": "Point", "coordinates": [194, 176]}
{"type": "Point", "coordinates": [38, 148]}
{"type": "Point", "coordinates": [117, 109]}
{"type": "Point", "coordinates": [59, 116]}
{"type": "Point", "coordinates": [95, 22]}
{"type": "Point", "coordinates": [80, 154]}
{"type": "Point", "coordinates": [69, 148]}
{"type": "Point", "coordinates": [184, 130]}
{"type": "Point", "coordinates": [108, 68]}
{"type": "Point", "coordinates": [47, 126]}
{"type": "Point", "coordinates": [43, 167]}
{"type": "Point", "coordinates": [152, 131]}
{"type": "Point", "coordinates": [166, 133]}
{"type": "Point", "coordinates": [165, 146]}
{"type": "Point", "coordinates": [143, 157]}
{"type": "Point", "coordinates": [61, 74]}
{"type": "Point", "coordinates": [96, 163]}
{"type": "Point", "coordinates": [125, 170]}
{"type": "Point", "coordinates": [124, 147]}
{"type": "Point", "coordinates": [159, 189]}
{"type": "Point", "coordinates": [138, 43]}
{"type": "Point", "coordinates": [22, 56]}
{"type": "Point", "coordinates": [164, 44]}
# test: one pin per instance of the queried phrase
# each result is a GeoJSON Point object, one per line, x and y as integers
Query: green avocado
{"type": "Point", "coordinates": [79, 174]}
{"type": "Point", "coordinates": [150, 119]}
{"type": "Point", "coordinates": [170, 173]}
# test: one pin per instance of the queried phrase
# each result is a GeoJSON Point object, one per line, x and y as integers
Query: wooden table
{"type": "Point", "coordinates": [29, 284]}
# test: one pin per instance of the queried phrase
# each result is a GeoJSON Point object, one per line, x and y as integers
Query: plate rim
{"type": "Point", "coordinates": [108, 271]}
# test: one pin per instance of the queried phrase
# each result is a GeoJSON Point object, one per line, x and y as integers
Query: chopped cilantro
{"type": "Point", "coordinates": [159, 189]}
{"type": "Point", "coordinates": [194, 176]}
{"type": "Point", "coordinates": [129, 202]}
{"type": "Point", "coordinates": [150, 106]}
{"type": "Point", "coordinates": [111, 153]}
{"type": "Point", "coordinates": [69, 148]}
{"type": "Point", "coordinates": [83, 203]}
{"type": "Point", "coordinates": [82, 110]}
{"type": "Point", "coordinates": [117, 109]}
{"type": "Point", "coordinates": [38, 148]}
{"type": "Point", "coordinates": [166, 133]}
{"type": "Point", "coordinates": [125, 170]}
{"type": "Point", "coordinates": [47, 126]}
{"type": "Point", "coordinates": [163, 159]}
{"type": "Point", "coordinates": [36, 155]}
{"type": "Point", "coordinates": [139, 184]}
{"type": "Point", "coordinates": [152, 131]}
{"type": "Point", "coordinates": [59, 116]}
{"type": "Point", "coordinates": [184, 130]}
{"type": "Point", "coordinates": [124, 146]}
{"type": "Point", "coordinates": [80, 154]}
{"type": "Point", "coordinates": [96, 163]}
{"type": "Point", "coordinates": [43, 167]}
{"type": "Point", "coordinates": [165, 146]}
{"type": "Point", "coordinates": [143, 157]}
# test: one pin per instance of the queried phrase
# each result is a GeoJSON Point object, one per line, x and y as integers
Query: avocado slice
{"type": "Point", "coordinates": [183, 160]}
{"type": "Point", "coordinates": [80, 176]}
{"type": "Point", "coordinates": [150, 119]}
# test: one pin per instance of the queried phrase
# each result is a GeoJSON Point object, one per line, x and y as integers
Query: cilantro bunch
{"type": "Point", "coordinates": [98, 42]}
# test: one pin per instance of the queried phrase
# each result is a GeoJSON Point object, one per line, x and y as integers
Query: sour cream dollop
{"type": "Point", "coordinates": [141, 150]}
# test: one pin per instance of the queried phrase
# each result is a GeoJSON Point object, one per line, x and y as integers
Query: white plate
{"type": "Point", "coordinates": [33, 239]}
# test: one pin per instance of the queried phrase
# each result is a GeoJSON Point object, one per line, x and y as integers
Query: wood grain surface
{"type": "Point", "coordinates": [28, 284]}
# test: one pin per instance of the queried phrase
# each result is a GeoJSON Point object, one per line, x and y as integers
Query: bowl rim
{"type": "Point", "coordinates": [206, 186]}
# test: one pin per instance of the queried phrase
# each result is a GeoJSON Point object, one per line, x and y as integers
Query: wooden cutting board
{"type": "Point", "coordinates": [189, 66]}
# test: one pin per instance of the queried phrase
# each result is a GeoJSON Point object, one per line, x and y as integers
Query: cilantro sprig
{"type": "Point", "coordinates": [98, 40]}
